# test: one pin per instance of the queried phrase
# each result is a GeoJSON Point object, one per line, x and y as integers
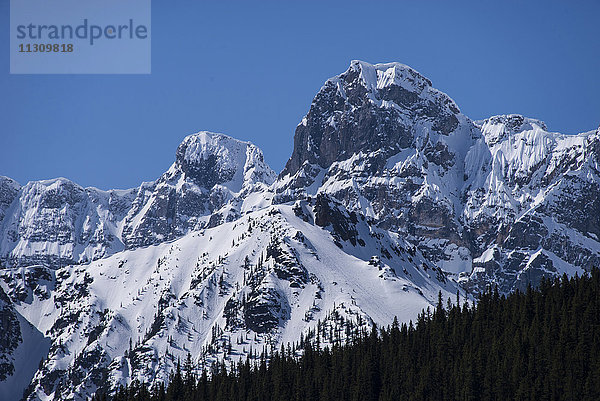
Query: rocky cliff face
{"type": "Point", "coordinates": [380, 108]}
{"type": "Point", "coordinates": [8, 191]}
{"type": "Point", "coordinates": [57, 222]}
{"type": "Point", "coordinates": [381, 140]}
{"type": "Point", "coordinates": [211, 172]}
{"type": "Point", "coordinates": [533, 211]}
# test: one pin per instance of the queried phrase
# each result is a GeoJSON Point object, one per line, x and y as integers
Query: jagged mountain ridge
{"type": "Point", "coordinates": [459, 190]}
{"type": "Point", "coordinates": [57, 222]}
{"type": "Point", "coordinates": [387, 179]}
{"type": "Point", "coordinates": [541, 205]}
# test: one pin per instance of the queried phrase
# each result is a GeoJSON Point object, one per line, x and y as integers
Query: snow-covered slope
{"type": "Point", "coordinates": [268, 278]}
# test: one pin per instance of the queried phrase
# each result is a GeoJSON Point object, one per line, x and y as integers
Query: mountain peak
{"type": "Point", "coordinates": [211, 170]}
{"type": "Point", "coordinates": [497, 128]}
{"type": "Point", "coordinates": [514, 122]}
{"type": "Point", "coordinates": [381, 75]}
{"type": "Point", "coordinates": [204, 144]}
{"type": "Point", "coordinates": [367, 108]}
{"type": "Point", "coordinates": [4, 180]}
{"type": "Point", "coordinates": [209, 158]}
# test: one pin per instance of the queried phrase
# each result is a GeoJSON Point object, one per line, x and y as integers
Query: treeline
{"type": "Point", "coordinates": [543, 344]}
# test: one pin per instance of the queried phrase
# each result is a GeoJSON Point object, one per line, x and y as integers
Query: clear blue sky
{"type": "Point", "coordinates": [251, 69]}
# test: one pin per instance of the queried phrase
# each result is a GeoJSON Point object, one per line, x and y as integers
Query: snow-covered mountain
{"type": "Point", "coordinates": [268, 278]}
{"type": "Point", "coordinates": [57, 222]}
{"type": "Point", "coordinates": [534, 207]}
{"type": "Point", "coordinates": [391, 195]}
{"type": "Point", "coordinates": [383, 141]}
{"type": "Point", "coordinates": [499, 201]}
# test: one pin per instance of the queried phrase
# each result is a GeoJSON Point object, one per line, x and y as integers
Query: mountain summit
{"type": "Point", "coordinates": [383, 107]}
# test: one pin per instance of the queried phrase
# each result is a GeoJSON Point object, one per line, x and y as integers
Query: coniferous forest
{"type": "Point", "coordinates": [543, 344]}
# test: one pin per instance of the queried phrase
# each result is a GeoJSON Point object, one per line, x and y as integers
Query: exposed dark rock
{"type": "Point", "coordinates": [286, 264]}
{"type": "Point", "coordinates": [343, 224]}
{"type": "Point", "coordinates": [9, 189]}
{"type": "Point", "coordinates": [10, 335]}
{"type": "Point", "coordinates": [265, 310]}
{"type": "Point", "coordinates": [526, 233]}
